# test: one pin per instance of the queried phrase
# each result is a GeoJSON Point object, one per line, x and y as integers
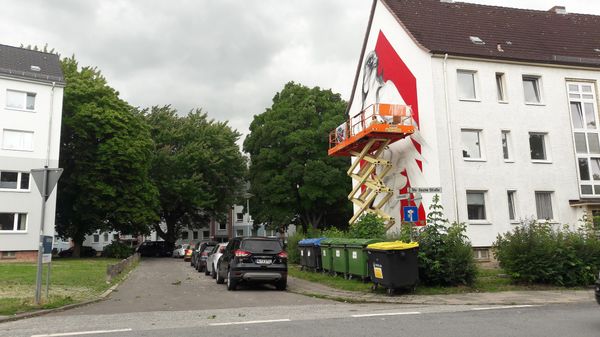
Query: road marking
{"type": "Point", "coordinates": [251, 322]}
{"type": "Point", "coordinates": [81, 333]}
{"type": "Point", "coordinates": [388, 314]}
{"type": "Point", "coordinates": [506, 307]}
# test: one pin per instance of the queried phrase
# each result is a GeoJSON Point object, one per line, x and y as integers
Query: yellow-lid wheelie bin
{"type": "Point", "coordinates": [394, 265]}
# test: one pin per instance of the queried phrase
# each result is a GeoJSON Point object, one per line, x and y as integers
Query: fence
{"type": "Point", "coordinates": [113, 270]}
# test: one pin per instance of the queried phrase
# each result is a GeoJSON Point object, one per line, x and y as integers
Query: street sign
{"type": "Point", "coordinates": [47, 247]}
{"type": "Point", "coordinates": [411, 213]}
{"type": "Point", "coordinates": [425, 189]}
{"type": "Point", "coordinates": [53, 175]}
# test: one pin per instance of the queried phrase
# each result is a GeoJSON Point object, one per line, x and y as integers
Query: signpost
{"type": "Point", "coordinates": [410, 213]}
{"type": "Point", "coordinates": [45, 180]}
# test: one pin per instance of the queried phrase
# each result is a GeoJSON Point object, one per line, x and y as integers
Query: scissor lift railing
{"type": "Point", "coordinates": [365, 136]}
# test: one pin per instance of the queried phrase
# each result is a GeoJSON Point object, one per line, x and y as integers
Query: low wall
{"type": "Point", "coordinates": [114, 270]}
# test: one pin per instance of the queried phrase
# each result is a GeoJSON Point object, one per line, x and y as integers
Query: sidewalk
{"type": "Point", "coordinates": [499, 298]}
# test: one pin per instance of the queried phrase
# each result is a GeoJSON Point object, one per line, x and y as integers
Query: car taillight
{"type": "Point", "coordinates": [204, 254]}
{"type": "Point", "coordinates": [242, 253]}
{"type": "Point", "coordinates": [282, 255]}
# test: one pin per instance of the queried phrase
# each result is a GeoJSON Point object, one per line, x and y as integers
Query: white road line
{"type": "Point", "coordinates": [388, 314]}
{"type": "Point", "coordinates": [81, 333]}
{"type": "Point", "coordinates": [251, 322]}
{"type": "Point", "coordinates": [506, 307]}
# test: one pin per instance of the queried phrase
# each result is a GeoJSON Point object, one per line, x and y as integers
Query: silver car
{"type": "Point", "coordinates": [213, 259]}
{"type": "Point", "coordinates": [179, 251]}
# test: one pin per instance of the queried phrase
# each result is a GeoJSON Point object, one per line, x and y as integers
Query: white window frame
{"type": "Point", "coordinates": [19, 178]}
{"type": "Point", "coordinates": [509, 147]}
{"type": "Point", "coordinates": [538, 82]}
{"type": "Point", "coordinates": [546, 141]}
{"type": "Point", "coordinates": [238, 218]}
{"type": "Point", "coordinates": [19, 149]}
{"type": "Point", "coordinates": [16, 223]}
{"type": "Point", "coordinates": [222, 226]}
{"type": "Point", "coordinates": [515, 208]}
{"type": "Point", "coordinates": [486, 209]}
{"type": "Point", "coordinates": [475, 85]}
{"type": "Point", "coordinates": [482, 156]}
{"type": "Point", "coordinates": [25, 93]}
{"type": "Point", "coordinates": [500, 79]}
{"type": "Point", "coordinates": [552, 205]}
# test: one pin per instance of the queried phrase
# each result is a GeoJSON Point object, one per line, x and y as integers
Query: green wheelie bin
{"type": "Point", "coordinates": [394, 265]}
{"type": "Point", "coordinates": [340, 256]}
{"type": "Point", "coordinates": [358, 258]}
{"type": "Point", "coordinates": [326, 255]}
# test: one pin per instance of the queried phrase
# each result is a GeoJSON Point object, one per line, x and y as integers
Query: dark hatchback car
{"type": "Point", "coordinates": [84, 251]}
{"type": "Point", "coordinates": [197, 250]}
{"type": "Point", "coordinates": [202, 255]}
{"type": "Point", "coordinates": [155, 248]}
{"type": "Point", "coordinates": [253, 259]}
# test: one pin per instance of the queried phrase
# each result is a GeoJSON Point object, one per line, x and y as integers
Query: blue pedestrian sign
{"type": "Point", "coordinates": [411, 213]}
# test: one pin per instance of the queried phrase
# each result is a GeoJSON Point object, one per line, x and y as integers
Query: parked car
{"type": "Point", "coordinates": [187, 255]}
{"type": "Point", "coordinates": [253, 259]}
{"type": "Point", "coordinates": [203, 255]}
{"type": "Point", "coordinates": [198, 249]}
{"type": "Point", "coordinates": [213, 258]}
{"type": "Point", "coordinates": [597, 291]}
{"type": "Point", "coordinates": [155, 248]}
{"type": "Point", "coordinates": [84, 252]}
{"type": "Point", "coordinates": [179, 251]}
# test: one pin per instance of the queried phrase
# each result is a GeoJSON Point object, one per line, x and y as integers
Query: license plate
{"type": "Point", "coordinates": [263, 261]}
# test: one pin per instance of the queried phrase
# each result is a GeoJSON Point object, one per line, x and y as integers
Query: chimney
{"type": "Point", "coordinates": [558, 10]}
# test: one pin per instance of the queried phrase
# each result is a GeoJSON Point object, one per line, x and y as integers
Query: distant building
{"type": "Point", "coordinates": [505, 105]}
{"type": "Point", "coordinates": [31, 95]}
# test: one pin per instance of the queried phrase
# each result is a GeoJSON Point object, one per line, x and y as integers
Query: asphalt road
{"type": "Point", "coordinates": [153, 303]}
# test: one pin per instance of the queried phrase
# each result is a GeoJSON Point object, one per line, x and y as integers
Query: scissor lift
{"type": "Point", "coordinates": [365, 136]}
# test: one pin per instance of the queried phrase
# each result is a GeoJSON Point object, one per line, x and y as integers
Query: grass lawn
{"type": "Point", "coordinates": [488, 280]}
{"type": "Point", "coordinates": [72, 281]}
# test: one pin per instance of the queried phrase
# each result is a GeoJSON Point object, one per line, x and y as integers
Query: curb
{"type": "Point", "coordinates": [101, 297]}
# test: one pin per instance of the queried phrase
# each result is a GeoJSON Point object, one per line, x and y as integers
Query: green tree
{"type": "Point", "coordinates": [105, 152]}
{"type": "Point", "coordinates": [292, 178]}
{"type": "Point", "coordinates": [197, 167]}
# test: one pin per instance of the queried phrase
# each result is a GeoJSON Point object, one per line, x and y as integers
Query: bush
{"type": "Point", "coordinates": [369, 226]}
{"type": "Point", "coordinates": [445, 253]}
{"type": "Point", "coordinates": [292, 247]}
{"type": "Point", "coordinates": [118, 250]}
{"type": "Point", "coordinates": [540, 253]}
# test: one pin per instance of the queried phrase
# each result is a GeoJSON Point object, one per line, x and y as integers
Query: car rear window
{"type": "Point", "coordinates": [208, 248]}
{"type": "Point", "coordinates": [261, 246]}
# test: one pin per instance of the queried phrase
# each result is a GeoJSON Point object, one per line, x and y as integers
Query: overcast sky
{"type": "Point", "coordinates": [228, 57]}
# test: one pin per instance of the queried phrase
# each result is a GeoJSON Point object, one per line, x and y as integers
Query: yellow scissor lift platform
{"type": "Point", "coordinates": [365, 136]}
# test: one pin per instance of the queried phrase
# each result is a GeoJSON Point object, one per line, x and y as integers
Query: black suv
{"type": "Point", "coordinates": [155, 248]}
{"type": "Point", "coordinates": [253, 259]}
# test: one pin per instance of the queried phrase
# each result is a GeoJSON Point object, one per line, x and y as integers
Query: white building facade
{"type": "Point", "coordinates": [31, 91]}
{"type": "Point", "coordinates": [506, 127]}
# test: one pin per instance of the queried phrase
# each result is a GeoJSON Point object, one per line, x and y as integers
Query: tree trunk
{"type": "Point", "coordinates": [77, 248]}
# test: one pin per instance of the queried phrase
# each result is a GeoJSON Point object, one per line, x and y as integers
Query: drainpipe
{"type": "Point", "coordinates": [47, 162]}
{"type": "Point", "coordinates": [450, 144]}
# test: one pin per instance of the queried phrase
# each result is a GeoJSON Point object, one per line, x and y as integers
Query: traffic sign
{"type": "Point", "coordinates": [47, 247]}
{"type": "Point", "coordinates": [52, 179]}
{"type": "Point", "coordinates": [425, 189]}
{"type": "Point", "coordinates": [411, 213]}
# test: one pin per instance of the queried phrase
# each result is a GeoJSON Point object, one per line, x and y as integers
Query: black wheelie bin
{"type": "Point", "coordinates": [394, 265]}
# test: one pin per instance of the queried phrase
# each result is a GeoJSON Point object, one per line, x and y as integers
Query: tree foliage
{"type": "Point", "coordinates": [369, 226]}
{"type": "Point", "coordinates": [105, 152]}
{"type": "Point", "coordinates": [291, 177]}
{"type": "Point", "coordinates": [196, 166]}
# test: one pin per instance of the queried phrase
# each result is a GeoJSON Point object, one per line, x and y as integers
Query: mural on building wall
{"type": "Point", "coordinates": [387, 79]}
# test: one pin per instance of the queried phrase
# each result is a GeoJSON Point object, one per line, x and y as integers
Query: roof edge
{"type": "Point", "coordinates": [587, 66]}
{"type": "Point", "coordinates": [412, 37]}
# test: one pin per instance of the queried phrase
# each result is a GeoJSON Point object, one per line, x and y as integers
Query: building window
{"type": "Point", "coordinates": [14, 222]}
{"type": "Point", "coordinates": [512, 214]}
{"type": "Point", "coordinates": [466, 84]}
{"type": "Point", "coordinates": [8, 255]}
{"type": "Point", "coordinates": [531, 88]}
{"type": "Point", "coordinates": [20, 100]}
{"type": "Point", "coordinates": [506, 145]}
{"type": "Point", "coordinates": [481, 254]}
{"type": "Point", "coordinates": [195, 235]}
{"type": "Point", "coordinates": [17, 140]}
{"type": "Point", "coordinates": [205, 234]}
{"type": "Point", "coordinates": [239, 232]}
{"type": "Point", "coordinates": [476, 205]}
{"type": "Point", "coordinates": [471, 145]}
{"type": "Point", "coordinates": [14, 180]}
{"type": "Point", "coordinates": [500, 87]}
{"type": "Point", "coordinates": [222, 226]}
{"type": "Point", "coordinates": [543, 205]}
{"type": "Point", "coordinates": [184, 235]}
{"type": "Point", "coordinates": [96, 238]}
{"type": "Point", "coordinates": [239, 217]}
{"type": "Point", "coordinates": [116, 237]}
{"type": "Point", "coordinates": [105, 237]}
{"type": "Point", "coordinates": [537, 146]}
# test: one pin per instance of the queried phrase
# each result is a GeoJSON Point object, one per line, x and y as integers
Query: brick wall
{"type": "Point", "coordinates": [20, 256]}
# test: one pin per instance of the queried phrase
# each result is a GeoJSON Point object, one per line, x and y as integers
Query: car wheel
{"type": "Point", "coordinates": [231, 282]}
{"type": "Point", "coordinates": [206, 272]}
{"type": "Point", "coordinates": [281, 285]}
{"type": "Point", "coordinates": [220, 279]}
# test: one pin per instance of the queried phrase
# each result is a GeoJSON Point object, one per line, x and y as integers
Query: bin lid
{"type": "Point", "coordinates": [310, 242]}
{"type": "Point", "coordinates": [394, 245]}
{"type": "Point", "coordinates": [360, 243]}
{"type": "Point", "coordinates": [332, 241]}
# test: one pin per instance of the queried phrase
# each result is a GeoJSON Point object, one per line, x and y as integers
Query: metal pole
{"type": "Point", "coordinates": [38, 282]}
